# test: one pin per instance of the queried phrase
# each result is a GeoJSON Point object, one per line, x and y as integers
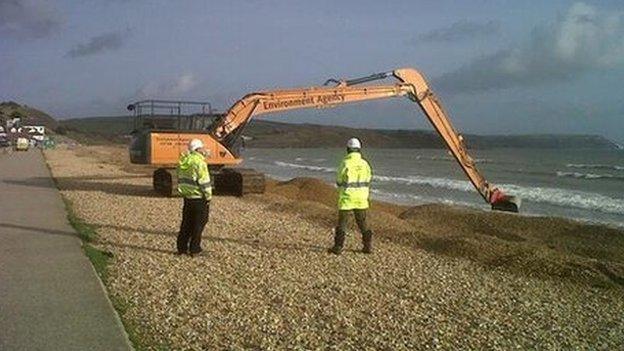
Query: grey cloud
{"type": "Point", "coordinates": [459, 31]}
{"type": "Point", "coordinates": [29, 19]}
{"type": "Point", "coordinates": [172, 87]}
{"type": "Point", "coordinates": [583, 40]}
{"type": "Point", "coordinates": [100, 43]}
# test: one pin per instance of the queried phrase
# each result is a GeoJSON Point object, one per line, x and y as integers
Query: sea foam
{"type": "Point", "coordinates": [547, 195]}
{"type": "Point", "coordinates": [595, 166]}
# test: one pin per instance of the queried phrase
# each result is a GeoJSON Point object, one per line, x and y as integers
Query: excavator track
{"type": "Point", "coordinates": [238, 182]}
{"type": "Point", "coordinates": [227, 181]}
{"type": "Point", "coordinates": [165, 181]}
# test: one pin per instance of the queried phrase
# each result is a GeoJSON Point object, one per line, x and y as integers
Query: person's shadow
{"type": "Point", "coordinates": [252, 242]}
{"type": "Point", "coordinates": [87, 183]}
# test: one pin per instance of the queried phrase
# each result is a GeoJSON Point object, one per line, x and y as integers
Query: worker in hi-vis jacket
{"type": "Point", "coordinates": [195, 186]}
{"type": "Point", "coordinates": [353, 180]}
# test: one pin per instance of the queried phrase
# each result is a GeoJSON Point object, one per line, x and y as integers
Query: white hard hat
{"type": "Point", "coordinates": [354, 143]}
{"type": "Point", "coordinates": [195, 144]}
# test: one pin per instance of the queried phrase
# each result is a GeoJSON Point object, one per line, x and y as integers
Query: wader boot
{"type": "Point", "coordinates": [339, 239]}
{"type": "Point", "coordinates": [367, 239]}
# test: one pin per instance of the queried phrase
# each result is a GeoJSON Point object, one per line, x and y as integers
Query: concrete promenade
{"type": "Point", "coordinates": [50, 296]}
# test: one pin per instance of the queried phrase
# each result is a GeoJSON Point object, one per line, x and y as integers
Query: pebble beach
{"type": "Point", "coordinates": [440, 277]}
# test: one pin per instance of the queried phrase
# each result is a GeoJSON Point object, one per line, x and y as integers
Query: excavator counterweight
{"type": "Point", "coordinates": [163, 147]}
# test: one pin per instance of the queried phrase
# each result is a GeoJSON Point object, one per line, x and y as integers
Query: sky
{"type": "Point", "coordinates": [499, 67]}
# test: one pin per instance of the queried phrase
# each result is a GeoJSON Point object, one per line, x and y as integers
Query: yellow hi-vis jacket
{"type": "Point", "coordinates": [193, 176]}
{"type": "Point", "coordinates": [353, 180]}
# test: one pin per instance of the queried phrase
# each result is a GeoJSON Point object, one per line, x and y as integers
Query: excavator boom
{"type": "Point", "coordinates": [432, 108]}
{"type": "Point", "coordinates": [284, 100]}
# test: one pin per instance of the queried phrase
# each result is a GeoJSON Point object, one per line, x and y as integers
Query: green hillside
{"type": "Point", "coordinates": [265, 134]}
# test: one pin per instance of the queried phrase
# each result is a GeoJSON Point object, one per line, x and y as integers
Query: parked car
{"type": "Point", "coordinates": [22, 144]}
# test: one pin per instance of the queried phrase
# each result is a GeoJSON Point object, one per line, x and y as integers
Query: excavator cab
{"type": "Point", "coordinates": [162, 131]}
{"type": "Point", "coordinates": [158, 124]}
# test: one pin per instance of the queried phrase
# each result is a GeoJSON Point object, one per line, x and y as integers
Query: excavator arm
{"type": "Point", "coordinates": [283, 100]}
{"type": "Point", "coordinates": [433, 109]}
{"type": "Point", "coordinates": [411, 84]}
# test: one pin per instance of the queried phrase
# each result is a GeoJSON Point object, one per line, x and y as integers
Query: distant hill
{"type": "Point", "coordinates": [98, 130]}
{"type": "Point", "coordinates": [272, 134]}
{"type": "Point", "coordinates": [265, 134]}
{"type": "Point", "coordinates": [29, 115]}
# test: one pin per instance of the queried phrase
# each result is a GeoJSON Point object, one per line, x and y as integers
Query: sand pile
{"type": "Point", "coordinates": [550, 248]}
{"type": "Point", "coordinates": [305, 189]}
{"type": "Point", "coordinates": [268, 282]}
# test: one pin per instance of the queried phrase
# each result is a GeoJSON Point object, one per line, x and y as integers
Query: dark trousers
{"type": "Point", "coordinates": [360, 220]}
{"type": "Point", "coordinates": [194, 219]}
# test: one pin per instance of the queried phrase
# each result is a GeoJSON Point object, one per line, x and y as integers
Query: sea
{"type": "Point", "coordinates": [582, 184]}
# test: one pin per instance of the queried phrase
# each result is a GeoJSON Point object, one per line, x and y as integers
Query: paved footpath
{"type": "Point", "coordinates": [50, 296]}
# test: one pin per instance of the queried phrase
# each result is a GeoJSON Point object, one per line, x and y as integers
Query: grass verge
{"type": "Point", "coordinates": [100, 260]}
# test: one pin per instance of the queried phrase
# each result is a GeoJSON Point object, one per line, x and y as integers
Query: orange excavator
{"type": "Point", "coordinates": [162, 147]}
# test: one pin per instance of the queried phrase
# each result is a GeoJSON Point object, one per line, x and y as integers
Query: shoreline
{"type": "Point", "coordinates": [469, 206]}
{"type": "Point", "coordinates": [452, 204]}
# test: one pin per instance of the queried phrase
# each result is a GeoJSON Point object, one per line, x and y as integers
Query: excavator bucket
{"type": "Point", "coordinates": [503, 202]}
{"type": "Point", "coordinates": [511, 204]}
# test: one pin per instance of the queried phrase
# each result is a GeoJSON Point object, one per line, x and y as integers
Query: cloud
{"type": "Point", "coordinates": [29, 19]}
{"type": "Point", "coordinates": [461, 30]}
{"type": "Point", "coordinates": [100, 43]}
{"type": "Point", "coordinates": [167, 89]}
{"type": "Point", "coordinates": [583, 40]}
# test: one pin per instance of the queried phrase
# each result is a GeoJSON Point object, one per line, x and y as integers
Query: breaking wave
{"type": "Point", "coordinates": [315, 160]}
{"type": "Point", "coordinates": [595, 166]}
{"type": "Point", "coordinates": [308, 167]}
{"type": "Point", "coordinates": [451, 159]}
{"type": "Point", "coordinates": [411, 198]}
{"type": "Point", "coordinates": [444, 183]}
{"type": "Point", "coordinates": [546, 195]}
{"type": "Point", "coordinates": [553, 196]}
{"type": "Point", "coordinates": [589, 175]}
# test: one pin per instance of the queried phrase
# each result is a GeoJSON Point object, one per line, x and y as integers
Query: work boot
{"type": "Point", "coordinates": [367, 240]}
{"type": "Point", "coordinates": [201, 253]}
{"type": "Point", "coordinates": [339, 239]}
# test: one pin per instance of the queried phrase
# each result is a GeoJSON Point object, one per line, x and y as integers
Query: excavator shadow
{"type": "Point", "coordinates": [140, 247]}
{"type": "Point", "coordinates": [262, 244]}
{"type": "Point", "coordinates": [209, 248]}
{"type": "Point", "coordinates": [88, 183]}
{"type": "Point", "coordinates": [136, 230]}
{"type": "Point", "coordinates": [251, 242]}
